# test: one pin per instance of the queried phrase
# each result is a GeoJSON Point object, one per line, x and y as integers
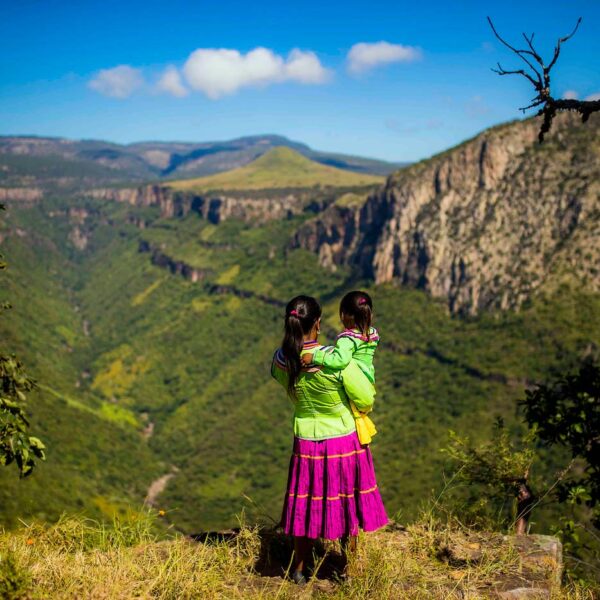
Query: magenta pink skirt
{"type": "Point", "coordinates": [332, 490]}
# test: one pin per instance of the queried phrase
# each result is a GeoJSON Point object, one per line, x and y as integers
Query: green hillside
{"type": "Point", "coordinates": [193, 360]}
{"type": "Point", "coordinates": [278, 168]}
{"type": "Point", "coordinates": [96, 460]}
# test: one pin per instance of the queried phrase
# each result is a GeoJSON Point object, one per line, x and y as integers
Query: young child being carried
{"type": "Point", "coordinates": [357, 342]}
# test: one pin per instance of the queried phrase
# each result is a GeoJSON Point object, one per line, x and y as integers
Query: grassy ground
{"type": "Point", "coordinates": [80, 558]}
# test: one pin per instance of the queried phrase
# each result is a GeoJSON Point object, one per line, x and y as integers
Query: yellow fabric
{"type": "Point", "coordinates": [365, 428]}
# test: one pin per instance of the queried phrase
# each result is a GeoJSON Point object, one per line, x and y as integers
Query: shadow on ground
{"type": "Point", "coordinates": [275, 555]}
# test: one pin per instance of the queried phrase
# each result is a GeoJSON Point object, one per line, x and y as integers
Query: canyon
{"type": "Point", "coordinates": [483, 225]}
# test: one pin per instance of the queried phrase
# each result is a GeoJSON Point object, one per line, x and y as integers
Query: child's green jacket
{"type": "Point", "coordinates": [350, 344]}
{"type": "Point", "coordinates": [322, 403]}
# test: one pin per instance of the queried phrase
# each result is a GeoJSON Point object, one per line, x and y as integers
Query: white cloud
{"type": "Point", "coordinates": [118, 82]}
{"type": "Point", "coordinates": [571, 95]}
{"type": "Point", "coordinates": [363, 57]}
{"type": "Point", "coordinates": [170, 83]}
{"type": "Point", "coordinates": [219, 72]}
{"type": "Point", "coordinates": [305, 67]}
{"type": "Point", "coordinates": [591, 97]}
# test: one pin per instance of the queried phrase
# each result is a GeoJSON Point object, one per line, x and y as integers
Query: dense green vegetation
{"type": "Point", "coordinates": [193, 360]}
{"type": "Point", "coordinates": [96, 458]}
{"type": "Point", "coordinates": [16, 445]}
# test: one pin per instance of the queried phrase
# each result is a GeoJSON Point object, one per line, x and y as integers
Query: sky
{"type": "Point", "coordinates": [397, 80]}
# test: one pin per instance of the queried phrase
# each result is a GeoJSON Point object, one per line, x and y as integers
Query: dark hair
{"type": "Point", "coordinates": [301, 313]}
{"type": "Point", "coordinates": [360, 306]}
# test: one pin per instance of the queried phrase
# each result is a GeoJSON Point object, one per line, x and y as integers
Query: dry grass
{"type": "Point", "coordinates": [79, 558]}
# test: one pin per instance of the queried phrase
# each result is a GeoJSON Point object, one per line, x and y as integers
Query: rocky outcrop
{"type": "Point", "coordinates": [482, 225]}
{"type": "Point", "coordinates": [23, 195]}
{"type": "Point", "coordinates": [79, 238]}
{"type": "Point", "coordinates": [77, 215]}
{"type": "Point", "coordinates": [214, 209]}
{"type": "Point", "coordinates": [176, 267]}
{"type": "Point", "coordinates": [193, 274]}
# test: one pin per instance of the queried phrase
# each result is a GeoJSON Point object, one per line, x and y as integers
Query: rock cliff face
{"type": "Point", "coordinates": [23, 195]}
{"type": "Point", "coordinates": [213, 208]}
{"type": "Point", "coordinates": [482, 225]}
{"type": "Point", "coordinates": [177, 267]}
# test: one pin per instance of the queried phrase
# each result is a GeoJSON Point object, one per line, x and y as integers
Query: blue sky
{"type": "Point", "coordinates": [429, 87]}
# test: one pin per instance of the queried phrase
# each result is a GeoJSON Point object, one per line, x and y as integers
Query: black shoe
{"type": "Point", "coordinates": [298, 578]}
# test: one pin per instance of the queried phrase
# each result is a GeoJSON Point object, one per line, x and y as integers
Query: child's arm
{"type": "Point", "coordinates": [337, 358]}
{"type": "Point", "coordinates": [359, 389]}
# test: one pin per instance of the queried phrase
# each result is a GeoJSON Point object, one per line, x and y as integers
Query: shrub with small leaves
{"type": "Point", "coordinates": [14, 580]}
{"type": "Point", "coordinates": [502, 467]}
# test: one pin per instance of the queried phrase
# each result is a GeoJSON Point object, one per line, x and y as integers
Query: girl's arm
{"type": "Point", "coordinates": [338, 357]}
{"type": "Point", "coordinates": [277, 371]}
{"type": "Point", "coordinates": [359, 389]}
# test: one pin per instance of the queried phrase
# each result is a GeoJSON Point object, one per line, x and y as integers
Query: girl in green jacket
{"type": "Point", "coordinates": [357, 342]}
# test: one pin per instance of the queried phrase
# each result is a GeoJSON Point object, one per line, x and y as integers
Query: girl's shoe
{"type": "Point", "coordinates": [298, 578]}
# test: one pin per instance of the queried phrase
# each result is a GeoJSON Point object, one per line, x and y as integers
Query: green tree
{"type": "Point", "coordinates": [502, 468]}
{"type": "Point", "coordinates": [567, 412]}
{"type": "Point", "coordinates": [16, 445]}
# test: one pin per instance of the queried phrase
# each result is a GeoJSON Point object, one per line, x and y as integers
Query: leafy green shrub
{"type": "Point", "coordinates": [501, 468]}
{"type": "Point", "coordinates": [14, 579]}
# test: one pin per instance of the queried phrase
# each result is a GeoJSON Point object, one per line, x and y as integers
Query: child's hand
{"type": "Point", "coordinates": [306, 359]}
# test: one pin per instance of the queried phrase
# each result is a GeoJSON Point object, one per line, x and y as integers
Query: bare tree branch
{"type": "Point", "coordinates": [561, 41]}
{"type": "Point", "coordinates": [502, 71]}
{"type": "Point", "coordinates": [539, 77]}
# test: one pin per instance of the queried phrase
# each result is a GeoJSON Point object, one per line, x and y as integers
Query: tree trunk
{"type": "Point", "coordinates": [525, 500]}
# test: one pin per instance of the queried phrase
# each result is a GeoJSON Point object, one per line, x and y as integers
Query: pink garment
{"type": "Point", "coordinates": [332, 490]}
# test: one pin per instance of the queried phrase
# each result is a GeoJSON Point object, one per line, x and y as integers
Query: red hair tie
{"type": "Point", "coordinates": [294, 312]}
{"type": "Point", "coordinates": [362, 301]}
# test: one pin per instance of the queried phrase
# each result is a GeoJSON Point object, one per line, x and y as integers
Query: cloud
{"type": "Point", "coordinates": [170, 83]}
{"type": "Point", "coordinates": [591, 97]}
{"type": "Point", "coordinates": [571, 95]}
{"type": "Point", "coordinates": [363, 57]}
{"type": "Point", "coordinates": [305, 67]}
{"type": "Point", "coordinates": [118, 82]}
{"type": "Point", "coordinates": [219, 72]}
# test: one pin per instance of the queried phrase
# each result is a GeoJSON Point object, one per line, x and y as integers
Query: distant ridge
{"type": "Point", "coordinates": [280, 167]}
{"type": "Point", "coordinates": [146, 161]}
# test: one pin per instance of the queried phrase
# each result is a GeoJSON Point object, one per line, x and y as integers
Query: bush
{"type": "Point", "coordinates": [14, 580]}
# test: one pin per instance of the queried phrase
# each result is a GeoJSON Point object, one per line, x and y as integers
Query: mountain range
{"type": "Point", "coordinates": [149, 311]}
{"type": "Point", "coordinates": [70, 163]}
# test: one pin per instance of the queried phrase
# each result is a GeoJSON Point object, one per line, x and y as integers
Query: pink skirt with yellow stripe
{"type": "Point", "coordinates": [332, 490]}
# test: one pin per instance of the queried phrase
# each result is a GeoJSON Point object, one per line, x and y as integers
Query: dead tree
{"type": "Point", "coordinates": [537, 72]}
